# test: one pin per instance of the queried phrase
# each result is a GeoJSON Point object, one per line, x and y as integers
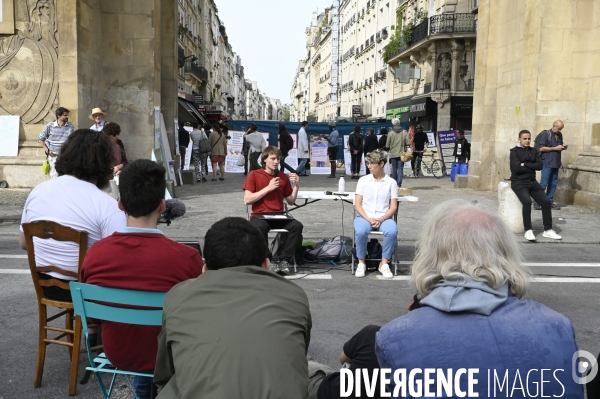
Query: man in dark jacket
{"type": "Point", "coordinates": [462, 148]}
{"type": "Point", "coordinates": [356, 144]}
{"type": "Point", "coordinates": [524, 161]}
{"type": "Point", "coordinates": [184, 141]}
{"type": "Point", "coordinates": [371, 143]}
{"type": "Point", "coordinates": [421, 142]}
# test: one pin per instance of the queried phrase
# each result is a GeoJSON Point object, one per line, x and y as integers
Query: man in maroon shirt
{"type": "Point", "coordinates": [265, 189]}
{"type": "Point", "coordinates": [139, 257]}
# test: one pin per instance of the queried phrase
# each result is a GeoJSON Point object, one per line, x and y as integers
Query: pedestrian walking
{"type": "Point", "coordinates": [184, 141]}
{"type": "Point", "coordinates": [551, 146]}
{"type": "Point", "coordinates": [462, 148]}
{"type": "Point", "coordinates": [397, 142]}
{"type": "Point", "coordinates": [332, 148]}
{"type": "Point", "coordinates": [200, 142]}
{"type": "Point", "coordinates": [218, 143]}
{"type": "Point", "coordinates": [286, 143]}
{"type": "Point", "coordinates": [356, 144]}
{"type": "Point", "coordinates": [54, 135]}
{"type": "Point", "coordinates": [303, 150]}
{"type": "Point", "coordinates": [257, 144]}
{"type": "Point", "coordinates": [371, 144]}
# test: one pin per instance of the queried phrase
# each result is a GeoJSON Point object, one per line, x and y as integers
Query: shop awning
{"type": "Point", "coordinates": [189, 113]}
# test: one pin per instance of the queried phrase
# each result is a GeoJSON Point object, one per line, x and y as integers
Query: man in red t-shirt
{"type": "Point", "coordinates": [139, 257]}
{"type": "Point", "coordinates": [265, 189]}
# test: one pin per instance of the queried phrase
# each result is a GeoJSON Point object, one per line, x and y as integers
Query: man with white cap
{"type": "Point", "coordinates": [98, 117]}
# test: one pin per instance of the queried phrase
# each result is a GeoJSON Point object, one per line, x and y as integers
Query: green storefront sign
{"type": "Point", "coordinates": [395, 113]}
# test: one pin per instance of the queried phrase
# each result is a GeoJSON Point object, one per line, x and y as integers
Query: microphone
{"type": "Point", "coordinates": [334, 193]}
{"type": "Point", "coordinates": [175, 209]}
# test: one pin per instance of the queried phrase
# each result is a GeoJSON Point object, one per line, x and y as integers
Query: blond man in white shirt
{"type": "Point", "coordinates": [376, 203]}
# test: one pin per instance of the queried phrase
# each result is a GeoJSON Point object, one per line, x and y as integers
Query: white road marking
{"type": "Point", "coordinates": [14, 271]}
{"type": "Point", "coordinates": [321, 276]}
{"type": "Point", "coordinates": [2, 256]}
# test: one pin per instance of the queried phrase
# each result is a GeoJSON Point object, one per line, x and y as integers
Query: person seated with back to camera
{"type": "Point", "coordinates": [470, 313]}
{"type": "Point", "coordinates": [265, 189]}
{"type": "Point", "coordinates": [139, 257]}
{"type": "Point", "coordinates": [376, 202]}
{"type": "Point", "coordinates": [237, 331]}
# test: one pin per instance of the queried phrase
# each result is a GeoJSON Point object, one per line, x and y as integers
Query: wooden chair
{"type": "Point", "coordinates": [72, 330]}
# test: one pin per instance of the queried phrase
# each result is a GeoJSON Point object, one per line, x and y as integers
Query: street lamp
{"type": "Point", "coordinates": [464, 67]}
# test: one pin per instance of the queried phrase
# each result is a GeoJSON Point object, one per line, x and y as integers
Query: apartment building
{"type": "Point", "coordinates": [211, 76]}
{"type": "Point", "coordinates": [431, 59]}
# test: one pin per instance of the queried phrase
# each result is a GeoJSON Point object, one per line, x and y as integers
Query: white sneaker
{"type": "Point", "coordinates": [384, 269]}
{"type": "Point", "coordinates": [529, 236]}
{"type": "Point", "coordinates": [360, 270]}
{"type": "Point", "coordinates": [551, 234]}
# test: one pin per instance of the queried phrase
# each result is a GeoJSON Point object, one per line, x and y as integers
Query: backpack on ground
{"type": "Point", "coordinates": [538, 138]}
{"type": "Point", "coordinates": [374, 253]}
{"type": "Point", "coordinates": [327, 251]}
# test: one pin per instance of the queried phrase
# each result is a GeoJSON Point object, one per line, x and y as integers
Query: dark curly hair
{"type": "Point", "coordinates": [112, 129]}
{"type": "Point", "coordinates": [87, 155]}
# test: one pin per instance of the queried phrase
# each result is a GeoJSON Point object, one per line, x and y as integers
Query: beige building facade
{"type": "Point", "coordinates": [536, 62]}
{"type": "Point", "coordinates": [120, 56]}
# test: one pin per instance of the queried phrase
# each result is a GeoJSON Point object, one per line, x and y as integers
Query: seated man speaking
{"type": "Point", "coordinates": [265, 189]}
{"type": "Point", "coordinates": [139, 257]}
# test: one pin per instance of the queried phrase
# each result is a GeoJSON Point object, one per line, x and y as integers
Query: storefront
{"type": "Point", "coordinates": [188, 112]}
{"type": "Point", "coordinates": [461, 112]}
{"type": "Point", "coordinates": [398, 109]}
{"type": "Point", "coordinates": [423, 111]}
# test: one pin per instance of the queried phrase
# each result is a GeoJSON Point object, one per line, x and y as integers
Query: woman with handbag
{"type": "Point", "coordinates": [256, 143]}
{"type": "Point", "coordinates": [218, 142]}
{"type": "Point", "coordinates": [200, 150]}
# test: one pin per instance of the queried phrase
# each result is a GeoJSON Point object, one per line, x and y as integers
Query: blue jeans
{"type": "Point", "coordinates": [397, 170]}
{"type": "Point", "coordinates": [301, 170]}
{"type": "Point", "coordinates": [549, 182]}
{"type": "Point", "coordinates": [362, 229]}
{"type": "Point", "coordinates": [144, 387]}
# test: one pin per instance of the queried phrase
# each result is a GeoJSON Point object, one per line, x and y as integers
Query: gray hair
{"type": "Point", "coordinates": [395, 121]}
{"type": "Point", "coordinates": [376, 156]}
{"type": "Point", "coordinates": [460, 238]}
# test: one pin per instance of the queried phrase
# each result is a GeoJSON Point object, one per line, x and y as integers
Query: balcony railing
{"type": "Point", "coordinates": [200, 72]}
{"type": "Point", "coordinates": [438, 25]}
{"type": "Point", "coordinates": [452, 23]}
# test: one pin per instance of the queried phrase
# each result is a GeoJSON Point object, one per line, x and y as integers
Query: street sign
{"type": "Point", "coordinates": [198, 99]}
{"type": "Point", "coordinates": [356, 110]}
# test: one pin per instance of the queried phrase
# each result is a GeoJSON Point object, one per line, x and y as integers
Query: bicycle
{"type": "Point", "coordinates": [432, 166]}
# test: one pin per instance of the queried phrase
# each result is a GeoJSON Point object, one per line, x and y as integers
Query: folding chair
{"type": "Point", "coordinates": [86, 298]}
{"type": "Point", "coordinates": [394, 259]}
{"type": "Point", "coordinates": [72, 330]}
{"type": "Point", "coordinates": [275, 231]}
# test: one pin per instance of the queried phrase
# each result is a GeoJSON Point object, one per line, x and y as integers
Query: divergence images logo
{"type": "Point", "coordinates": [586, 365]}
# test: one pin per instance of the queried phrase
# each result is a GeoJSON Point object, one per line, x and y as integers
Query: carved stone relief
{"type": "Point", "coordinates": [444, 71]}
{"type": "Point", "coordinates": [28, 63]}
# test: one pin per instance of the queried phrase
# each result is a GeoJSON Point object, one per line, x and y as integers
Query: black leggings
{"type": "Point", "coordinates": [524, 191]}
{"type": "Point", "coordinates": [355, 163]}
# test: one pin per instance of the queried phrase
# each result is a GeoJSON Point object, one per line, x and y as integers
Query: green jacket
{"type": "Point", "coordinates": [397, 143]}
{"type": "Point", "coordinates": [239, 332]}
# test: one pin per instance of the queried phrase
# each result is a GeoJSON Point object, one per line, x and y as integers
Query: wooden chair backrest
{"type": "Point", "coordinates": [45, 229]}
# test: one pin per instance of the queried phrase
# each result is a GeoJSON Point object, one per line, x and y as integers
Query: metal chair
{"type": "Point", "coordinates": [102, 303]}
{"type": "Point", "coordinates": [72, 330]}
{"type": "Point", "coordinates": [394, 259]}
{"type": "Point", "coordinates": [275, 231]}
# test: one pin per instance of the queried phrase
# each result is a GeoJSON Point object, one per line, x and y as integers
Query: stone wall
{"type": "Point", "coordinates": [535, 63]}
{"type": "Point", "coordinates": [119, 55]}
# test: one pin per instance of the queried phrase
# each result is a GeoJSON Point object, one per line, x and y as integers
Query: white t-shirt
{"type": "Point", "coordinates": [74, 203]}
{"type": "Point", "coordinates": [376, 195]}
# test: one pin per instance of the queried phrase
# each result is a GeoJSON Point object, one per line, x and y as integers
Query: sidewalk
{"type": "Point", "coordinates": [211, 201]}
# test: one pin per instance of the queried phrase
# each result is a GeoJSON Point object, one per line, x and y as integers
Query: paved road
{"type": "Point", "coordinates": [340, 304]}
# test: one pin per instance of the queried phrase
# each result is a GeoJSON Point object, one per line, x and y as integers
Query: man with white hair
{"type": "Point", "coordinates": [98, 117]}
{"type": "Point", "coordinates": [397, 142]}
{"type": "Point", "coordinates": [470, 283]}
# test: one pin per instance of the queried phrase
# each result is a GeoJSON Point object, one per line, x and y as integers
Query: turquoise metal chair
{"type": "Point", "coordinates": [85, 302]}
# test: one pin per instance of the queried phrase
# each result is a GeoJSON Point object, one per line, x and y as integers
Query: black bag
{"type": "Point", "coordinates": [374, 253]}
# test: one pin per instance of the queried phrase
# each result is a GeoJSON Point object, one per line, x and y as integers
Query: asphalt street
{"type": "Point", "coordinates": [567, 276]}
